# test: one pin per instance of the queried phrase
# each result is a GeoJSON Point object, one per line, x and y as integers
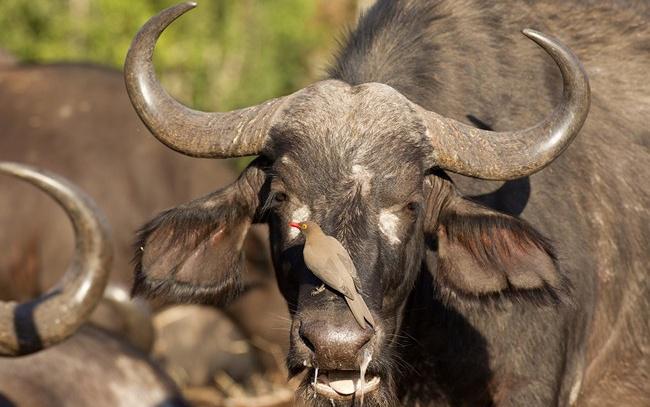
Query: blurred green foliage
{"type": "Point", "coordinates": [222, 55]}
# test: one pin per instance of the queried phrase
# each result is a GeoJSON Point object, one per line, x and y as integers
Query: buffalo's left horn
{"type": "Point", "coordinates": [198, 134]}
{"type": "Point", "coordinates": [508, 155]}
{"type": "Point", "coordinates": [37, 324]}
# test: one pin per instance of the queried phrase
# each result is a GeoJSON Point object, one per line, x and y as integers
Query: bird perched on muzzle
{"type": "Point", "coordinates": [330, 262]}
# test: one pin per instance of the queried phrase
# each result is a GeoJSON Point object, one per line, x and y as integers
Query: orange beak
{"type": "Point", "coordinates": [294, 225]}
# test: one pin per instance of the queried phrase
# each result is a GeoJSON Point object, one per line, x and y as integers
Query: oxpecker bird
{"type": "Point", "coordinates": [330, 262]}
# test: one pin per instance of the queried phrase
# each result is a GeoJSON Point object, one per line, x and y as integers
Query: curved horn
{"type": "Point", "coordinates": [508, 155]}
{"type": "Point", "coordinates": [198, 134]}
{"type": "Point", "coordinates": [34, 325]}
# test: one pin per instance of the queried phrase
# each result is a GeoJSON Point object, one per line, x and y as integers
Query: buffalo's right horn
{"type": "Point", "coordinates": [34, 325]}
{"type": "Point", "coordinates": [198, 134]}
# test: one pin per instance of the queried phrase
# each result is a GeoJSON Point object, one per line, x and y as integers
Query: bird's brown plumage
{"type": "Point", "coordinates": [330, 262]}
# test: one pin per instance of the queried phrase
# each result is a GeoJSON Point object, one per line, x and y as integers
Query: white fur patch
{"type": "Point", "coordinates": [363, 177]}
{"type": "Point", "coordinates": [575, 389]}
{"type": "Point", "coordinates": [285, 160]}
{"type": "Point", "coordinates": [388, 225]}
{"type": "Point", "coordinates": [299, 215]}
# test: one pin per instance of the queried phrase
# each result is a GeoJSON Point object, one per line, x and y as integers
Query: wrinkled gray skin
{"type": "Point", "coordinates": [76, 120]}
{"type": "Point", "coordinates": [471, 306]}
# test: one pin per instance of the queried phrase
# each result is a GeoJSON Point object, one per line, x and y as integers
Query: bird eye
{"type": "Point", "coordinates": [303, 226]}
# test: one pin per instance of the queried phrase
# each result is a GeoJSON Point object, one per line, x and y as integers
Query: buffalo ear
{"type": "Point", "coordinates": [481, 251]}
{"type": "Point", "coordinates": [193, 253]}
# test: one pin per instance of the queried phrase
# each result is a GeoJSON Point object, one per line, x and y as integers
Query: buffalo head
{"type": "Point", "coordinates": [366, 164]}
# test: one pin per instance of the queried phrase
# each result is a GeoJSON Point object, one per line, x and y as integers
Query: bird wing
{"type": "Point", "coordinates": [328, 267]}
{"type": "Point", "coordinates": [349, 266]}
{"type": "Point", "coordinates": [360, 311]}
{"type": "Point", "coordinates": [345, 260]}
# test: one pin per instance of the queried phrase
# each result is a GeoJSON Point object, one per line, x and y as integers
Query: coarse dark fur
{"type": "Point", "coordinates": [192, 229]}
{"type": "Point", "coordinates": [201, 224]}
{"type": "Point", "coordinates": [474, 307]}
{"type": "Point", "coordinates": [509, 238]}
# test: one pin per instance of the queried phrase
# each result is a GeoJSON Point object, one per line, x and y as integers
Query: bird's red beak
{"type": "Point", "coordinates": [294, 225]}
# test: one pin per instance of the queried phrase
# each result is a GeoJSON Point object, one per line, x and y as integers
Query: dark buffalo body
{"type": "Point", "coordinates": [76, 120]}
{"type": "Point", "coordinates": [91, 367]}
{"type": "Point", "coordinates": [473, 306]}
{"type": "Point", "coordinates": [114, 374]}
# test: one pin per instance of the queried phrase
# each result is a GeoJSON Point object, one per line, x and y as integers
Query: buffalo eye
{"type": "Point", "coordinates": [279, 197]}
{"type": "Point", "coordinates": [275, 200]}
{"type": "Point", "coordinates": [413, 207]}
{"type": "Point", "coordinates": [412, 210]}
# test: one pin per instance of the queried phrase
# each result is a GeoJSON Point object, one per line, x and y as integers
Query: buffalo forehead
{"type": "Point", "coordinates": [365, 136]}
{"type": "Point", "coordinates": [375, 112]}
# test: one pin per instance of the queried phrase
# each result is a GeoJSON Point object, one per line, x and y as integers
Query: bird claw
{"type": "Point", "coordinates": [318, 290]}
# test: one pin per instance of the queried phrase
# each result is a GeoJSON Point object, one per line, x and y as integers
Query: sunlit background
{"type": "Point", "coordinates": [224, 54]}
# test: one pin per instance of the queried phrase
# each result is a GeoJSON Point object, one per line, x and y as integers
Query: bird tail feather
{"type": "Point", "coordinates": [360, 310]}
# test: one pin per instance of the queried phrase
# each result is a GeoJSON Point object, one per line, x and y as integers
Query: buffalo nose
{"type": "Point", "coordinates": [335, 345]}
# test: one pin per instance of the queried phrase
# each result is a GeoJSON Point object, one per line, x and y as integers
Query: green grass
{"type": "Point", "coordinates": [222, 55]}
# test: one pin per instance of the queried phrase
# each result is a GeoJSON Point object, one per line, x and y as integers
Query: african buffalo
{"type": "Point", "coordinates": [91, 367]}
{"type": "Point", "coordinates": [76, 120]}
{"type": "Point", "coordinates": [472, 306]}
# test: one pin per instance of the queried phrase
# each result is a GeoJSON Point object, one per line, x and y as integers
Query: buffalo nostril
{"type": "Point", "coordinates": [306, 341]}
{"type": "Point", "coordinates": [335, 346]}
{"type": "Point", "coordinates": [363, 337]}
